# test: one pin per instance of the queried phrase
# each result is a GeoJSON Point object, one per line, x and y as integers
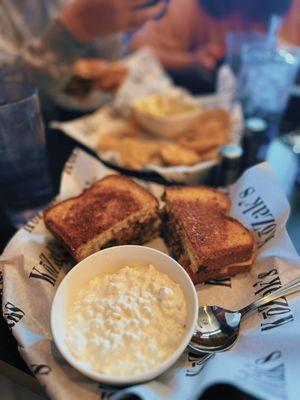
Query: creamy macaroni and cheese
{"type": "Point", "coordinates": [163, 105]}
{"type": "Point", "coordinates": [126, 323]}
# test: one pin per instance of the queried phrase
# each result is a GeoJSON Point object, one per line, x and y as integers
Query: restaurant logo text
{"type": "Point", "coordinates": [263, 224]}
{"type": "Point", "coordinates": [277, 312]}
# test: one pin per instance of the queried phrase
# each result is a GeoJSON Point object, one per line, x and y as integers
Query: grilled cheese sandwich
{"type": "Point", "coordinates": [208, 243]}
{"type": "Point", "coordinates": [113, 211]}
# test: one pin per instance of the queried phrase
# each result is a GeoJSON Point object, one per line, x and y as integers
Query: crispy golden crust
{"type": "Point", "coordinates": [176, 247]}
{"type": "Point", "coordinates": [113, 140]}
{"type": "Point", "coordinates": [212, 132]}
{"type": "Point", "coordinates": [216, 239]}
{"type": "Point", "coordinates": [98, 210]}
{"type": "Point", "coordinates": [136, 153]}
{"type": "Point", "coordinates": [173, 154]}
{"type": "Point", "coordinates": [201, 145]}
{"type": "Point", "coordinates": [206, 195]}
{"type": "Point", "coordinates": [212, 154]}
{"type": "Point", "coordinates": [139, 149]}
{"type": "Point", "coordinates": [212, 122]}
{"type": "Point", "coordinates": [225, 272]}
{"type": "Point", "coordinates": [205, 240]}
{"type": "Point", "coordinates": [109, 142]}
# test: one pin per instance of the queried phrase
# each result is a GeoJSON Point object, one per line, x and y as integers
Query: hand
{"type": "Point", "coordinates": [87, 19]}
{"type": "Point", "coordinates": [207, 56]}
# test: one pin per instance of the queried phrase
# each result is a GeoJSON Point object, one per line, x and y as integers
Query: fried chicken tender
{"type": "Point", "coordinates": [107, 76]}
{"type": "Point", "coordinates": [174, 154]}
{"type": "Point", "coordinates": [136, 153]}
{"type": "Point", "coordinates": [210, 155]}
{"type": "Point", "coordinates": [136, 150]}
{"type": "Point", "coordinates": [209, 120]}
{"type": "Point", "coordinates": [109, 142]}
{"type": "Point", "coordinates": [213, 130]}
{"type": "Point", "coordinates": [112, 140]}
{"type": "Point", "coordinates": [202, 145]}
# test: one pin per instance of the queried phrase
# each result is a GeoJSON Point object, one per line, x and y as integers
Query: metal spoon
{"type": "Point", "coordinates": [217, 329]}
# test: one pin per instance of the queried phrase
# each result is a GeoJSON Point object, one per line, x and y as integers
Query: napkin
{"type": "Point", "coordinates": [265, 360]}
{"type": "Point", "coordinates": [147, 76]}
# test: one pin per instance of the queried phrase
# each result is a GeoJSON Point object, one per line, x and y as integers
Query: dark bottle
{"type": "Point", "coordinates": [254, 141]}
{"type": "Point", "coordinates": [228, 171]}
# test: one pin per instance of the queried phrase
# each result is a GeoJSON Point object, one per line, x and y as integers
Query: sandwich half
{"type": "Point", "coordinates": [206, 241]}
{"type": "Point", "coordinates": [113, 211]}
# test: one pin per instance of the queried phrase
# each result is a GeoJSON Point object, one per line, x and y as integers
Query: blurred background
{"type": "Point", "coordinates": [234, 63]}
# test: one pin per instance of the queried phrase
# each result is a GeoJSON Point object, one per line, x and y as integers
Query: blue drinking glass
{"type": "Point", "coordinates": [265, 80]}
{"type": "Point", "coordinates": [25, 184]}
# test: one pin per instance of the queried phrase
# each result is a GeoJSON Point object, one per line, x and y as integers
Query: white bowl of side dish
{"type": "Point", "coordinates": [90, 327]}
{"type": "Point", "coordinates": [166, 114]}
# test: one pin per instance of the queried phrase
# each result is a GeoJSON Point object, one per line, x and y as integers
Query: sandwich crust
{"type": "Point", "coordinates": [103, 214]}
{"type": "Point", "coordinates": [208, 196]}
{"type": "Point", "coordinates": [208, 243]}
{"type": "Point", "coordinates": [216, 239]}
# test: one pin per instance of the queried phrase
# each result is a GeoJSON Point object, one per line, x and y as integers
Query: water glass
{"type": "Point", "coordinates": [235, 41]}
{"type": "Point", "coordinates": [265, 80]}
{"type": "Point", "coordinates": [25, 185]}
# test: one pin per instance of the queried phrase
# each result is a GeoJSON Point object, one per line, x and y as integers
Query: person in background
{"type": "Point", "coordinates": [49, 35]}
{"type": "Point", "coordinates": [190, 39]}
{"type": "Point", "coordinates": [290, 30]}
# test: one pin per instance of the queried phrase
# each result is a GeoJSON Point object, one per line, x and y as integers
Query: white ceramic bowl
{"type": "Point", "coordinates": [167, 126]}
{"type": "Point", "coordinates": [105, 262]}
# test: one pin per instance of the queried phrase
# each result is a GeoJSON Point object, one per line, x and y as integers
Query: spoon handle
{"type": "Point", "coordinates": [291, 287]}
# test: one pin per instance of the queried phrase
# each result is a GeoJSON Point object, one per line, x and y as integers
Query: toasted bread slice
{"type": "Point", "coordinates": [208, 243]}
{"type": "Point", "coordinates": [113, 211]}
{"type": "Point", "coordinates": [225, 272]}
{"type": "Point", "coordinates": [206, 195]}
